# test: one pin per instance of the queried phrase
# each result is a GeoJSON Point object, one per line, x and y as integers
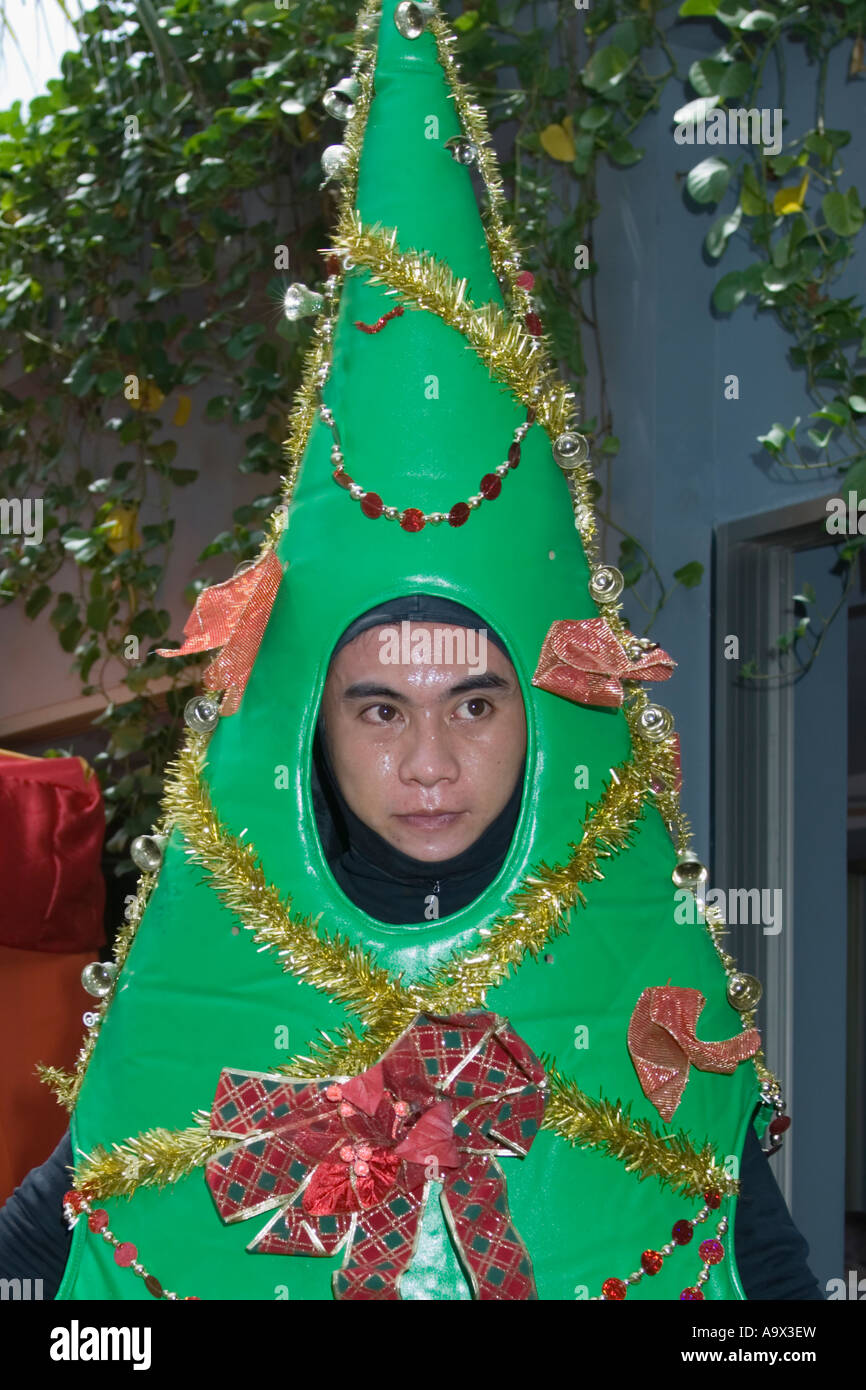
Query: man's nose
{"type": "Point", "coordinates": [428, 755]}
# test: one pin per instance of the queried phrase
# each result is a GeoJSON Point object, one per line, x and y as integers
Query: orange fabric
{"type": "Point", "coordinates": [41, 1005]}
{"type": "Point", "coordinates": [52, 825]}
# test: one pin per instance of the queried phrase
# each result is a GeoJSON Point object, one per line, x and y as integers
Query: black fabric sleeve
{"type": "Point", "coordinates": [771, 1253]}
{"type": "Point", "coordinates": [34, 1238]}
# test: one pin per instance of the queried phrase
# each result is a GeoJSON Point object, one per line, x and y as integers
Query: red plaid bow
{"type": "Point", "coordinates": [662, 1044]}
{"type": "Point", "coordinates": [585, 662]}
{"type": "Point", "coordinates": [348, 1162]}
{"type": "Point", "coordinates": [233, 616]}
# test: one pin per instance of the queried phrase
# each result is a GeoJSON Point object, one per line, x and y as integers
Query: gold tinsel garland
{"type": "Point", "coordinates": [159, 1156]}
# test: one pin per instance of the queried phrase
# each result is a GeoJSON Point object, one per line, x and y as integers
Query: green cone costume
{"type": "Point", "coordinates": [244, 964]}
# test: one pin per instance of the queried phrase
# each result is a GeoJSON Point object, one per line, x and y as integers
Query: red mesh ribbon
{"type": "Point", "coordinates": [233, 616]}
{"type": "Point", "coordinates": [347, 1163]}
{"type": "Point", "coordinates": [585, 662]}
{"type": "Point", "coordinates": [662, 1044]}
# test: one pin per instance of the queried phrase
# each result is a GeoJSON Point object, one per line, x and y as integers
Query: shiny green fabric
{"type": "Point", "coordinates": [195, 997]}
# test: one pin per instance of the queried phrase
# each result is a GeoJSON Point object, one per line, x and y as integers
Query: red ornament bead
{"type": "Point", "coordinates": [459, 513]}
{"type": "Point", "coordinates": [651, 1261]}
{"type": "Point", "coordinates": [362, 1168]}
{"type": "Point", "coordinates": [334, 1093]}
{"type": "Point", "coordinates": [533, 324]}
{"type": "Point", "coordinates": [125, 1254]}
{"type": "Point", "coordinates": [365, 1152]}
{"type": "Point", "coordinates": [712, 1251]}
{"type": "Point", "coordinates": [525, 280]}
{"type": "Point", "coordinates": [713, 1198]}
{"type": "Point", "coordinates": [614, 1289]}
{"type": "Point", "coordinates": [347, 1153]}
{"type": "Point", "coordinates": [682, 1232]}
{"type": "Point", "coordinates": [691, 1294]}
{"type": "Point", "coordinates": [192, 1298]}
{"type": "Point", "coordinates": [514, 455]}
{"type": "Point", "coordinates": [74, 1199]}
{"type": "Point", "coordinates": [332, 265]}
{"type": "Point", "coordinates": [401, 1107]}
{"type": "Point", "coordinates": [342, 477]}
{"type": "Point", "coordinates": [779, 1124]}
{"type": "Point", "coordinates": [372, 505]}
{"type": "Point", "coordinates": [412, 520]}
{"type": "Point", "coordinates": [490, 486]}
{"type": "Point", "coordinates": [98, 1220]}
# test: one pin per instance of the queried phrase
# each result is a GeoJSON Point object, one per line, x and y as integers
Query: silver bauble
{"type": "Point", "coordinates": [201, 714]}
{"type": "Point", "coordinates": [606, 584]}
{"type": "Point", "coordinates": [412, 17]}
{"type": "Point", "coordinates": [655, 722]}
{"type": "Point", "coordinates": [146, 852]}
{"type": "Point", "coordinates": [98, 978]}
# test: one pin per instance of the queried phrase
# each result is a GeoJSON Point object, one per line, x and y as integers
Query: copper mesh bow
{"type": "Point", "coordinates": [347, 1163]}
{"type": "Point", "coordinates": [585, 661]}
{"type": "Point", "coordinates": [233, 616]}
{"type": "Point", "coordinates": [663, 1045]}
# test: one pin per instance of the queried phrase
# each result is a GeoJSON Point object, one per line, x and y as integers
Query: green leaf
{"type": "Point", "coordinates": [698, 7]}
{"type": "Point", "coordinates": [690, 575]}
{"type": "Point", "coordinates": [624, 152]}
{"type": "Point", "coordinates": [595, 116]}
{"type": "Point", "coordinates": [757, 20]}
{"type": "Point", "coordinates": [774, 440]}
{"type": "Point", "coordinates": [842, 212]}
{"type": "Point", "coordinates": [706, 76]}
{"type": "Point", "coordinates": [606, 68]}
{"type": "Point", "coordinates": [37, 600]}
{"type": "Point", "coordinates": [721, 231]}
{"type": "Point", "coordinates": [695, 111]}
{"type": "Point", "coordinates": [855, 478]}
{"type": "Point", "coordinates": [736, 81]}
{"type": "Point", "coordinates": [708, 180]}
{"type": "Point", "coordinates": [857, 403]}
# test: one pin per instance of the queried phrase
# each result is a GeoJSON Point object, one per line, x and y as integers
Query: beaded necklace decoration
{"type": "Point", "coordinates": [512, 350]}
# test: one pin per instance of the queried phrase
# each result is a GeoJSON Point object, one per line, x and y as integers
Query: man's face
{"type": "Point", "coordinates": [427, 755]}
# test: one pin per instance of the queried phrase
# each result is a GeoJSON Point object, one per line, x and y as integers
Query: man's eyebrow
{"type": "Point", "coordinates": [365, 690]}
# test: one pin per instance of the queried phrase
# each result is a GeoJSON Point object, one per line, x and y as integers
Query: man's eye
{"type": "Point", "coordinates": [380, 714]}
{"type": "Point", "coordinates": [475, 708]}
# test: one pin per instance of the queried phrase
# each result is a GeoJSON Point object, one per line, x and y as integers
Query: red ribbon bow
{"type": "Point", "coordinates": [662, 1044]}
{"type": "Point", "coordinates": [232, 615]}
{"type": "Point", "coordinates": [348, 1162]}
{"type": "Point", "coordinates": [585, 662]}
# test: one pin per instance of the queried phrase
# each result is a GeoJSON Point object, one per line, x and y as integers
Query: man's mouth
{"type": "Point", "coordinates": [430, 820]}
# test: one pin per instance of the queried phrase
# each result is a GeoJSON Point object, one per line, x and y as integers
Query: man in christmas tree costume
{"type": "Point", "coordinates": [546, 1090]}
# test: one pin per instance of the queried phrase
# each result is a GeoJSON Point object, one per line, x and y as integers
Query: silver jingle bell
{"type": "Point", "coordinates": [299, 302]}
{"type": "Point", "coordinates": [689, 872]}
{"type": "Point", "coordinates": [606, 584]}
{"type": "Point", "coordinates": [570, 449]}
{"type": "Point", "coordinates": [98, 978]}
{"type": "Point", "coordinates": [335, 159]}
{"type": "Point", "coordinates": [339, 101]}
{"type": "Point", "coordinates": [201, 714]}
{"type": "Point", "coordinates": [146, 852]}
{"type": "Point", "coordinates": [462, 150]}
{"type": "Point", "coordinates": [655, 722]}
{"type": "Point", "coordinates": [412, 17]}
{"type": "Point", "coordinates": [744, 991]}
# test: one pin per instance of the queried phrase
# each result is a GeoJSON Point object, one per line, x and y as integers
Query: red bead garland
{"type": "Point", "coordinates": [413, 519]}
{"type": "Point", "coordinates": [711, 1251]}
{"type": "Point", "coordinates": [77, 1204]}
